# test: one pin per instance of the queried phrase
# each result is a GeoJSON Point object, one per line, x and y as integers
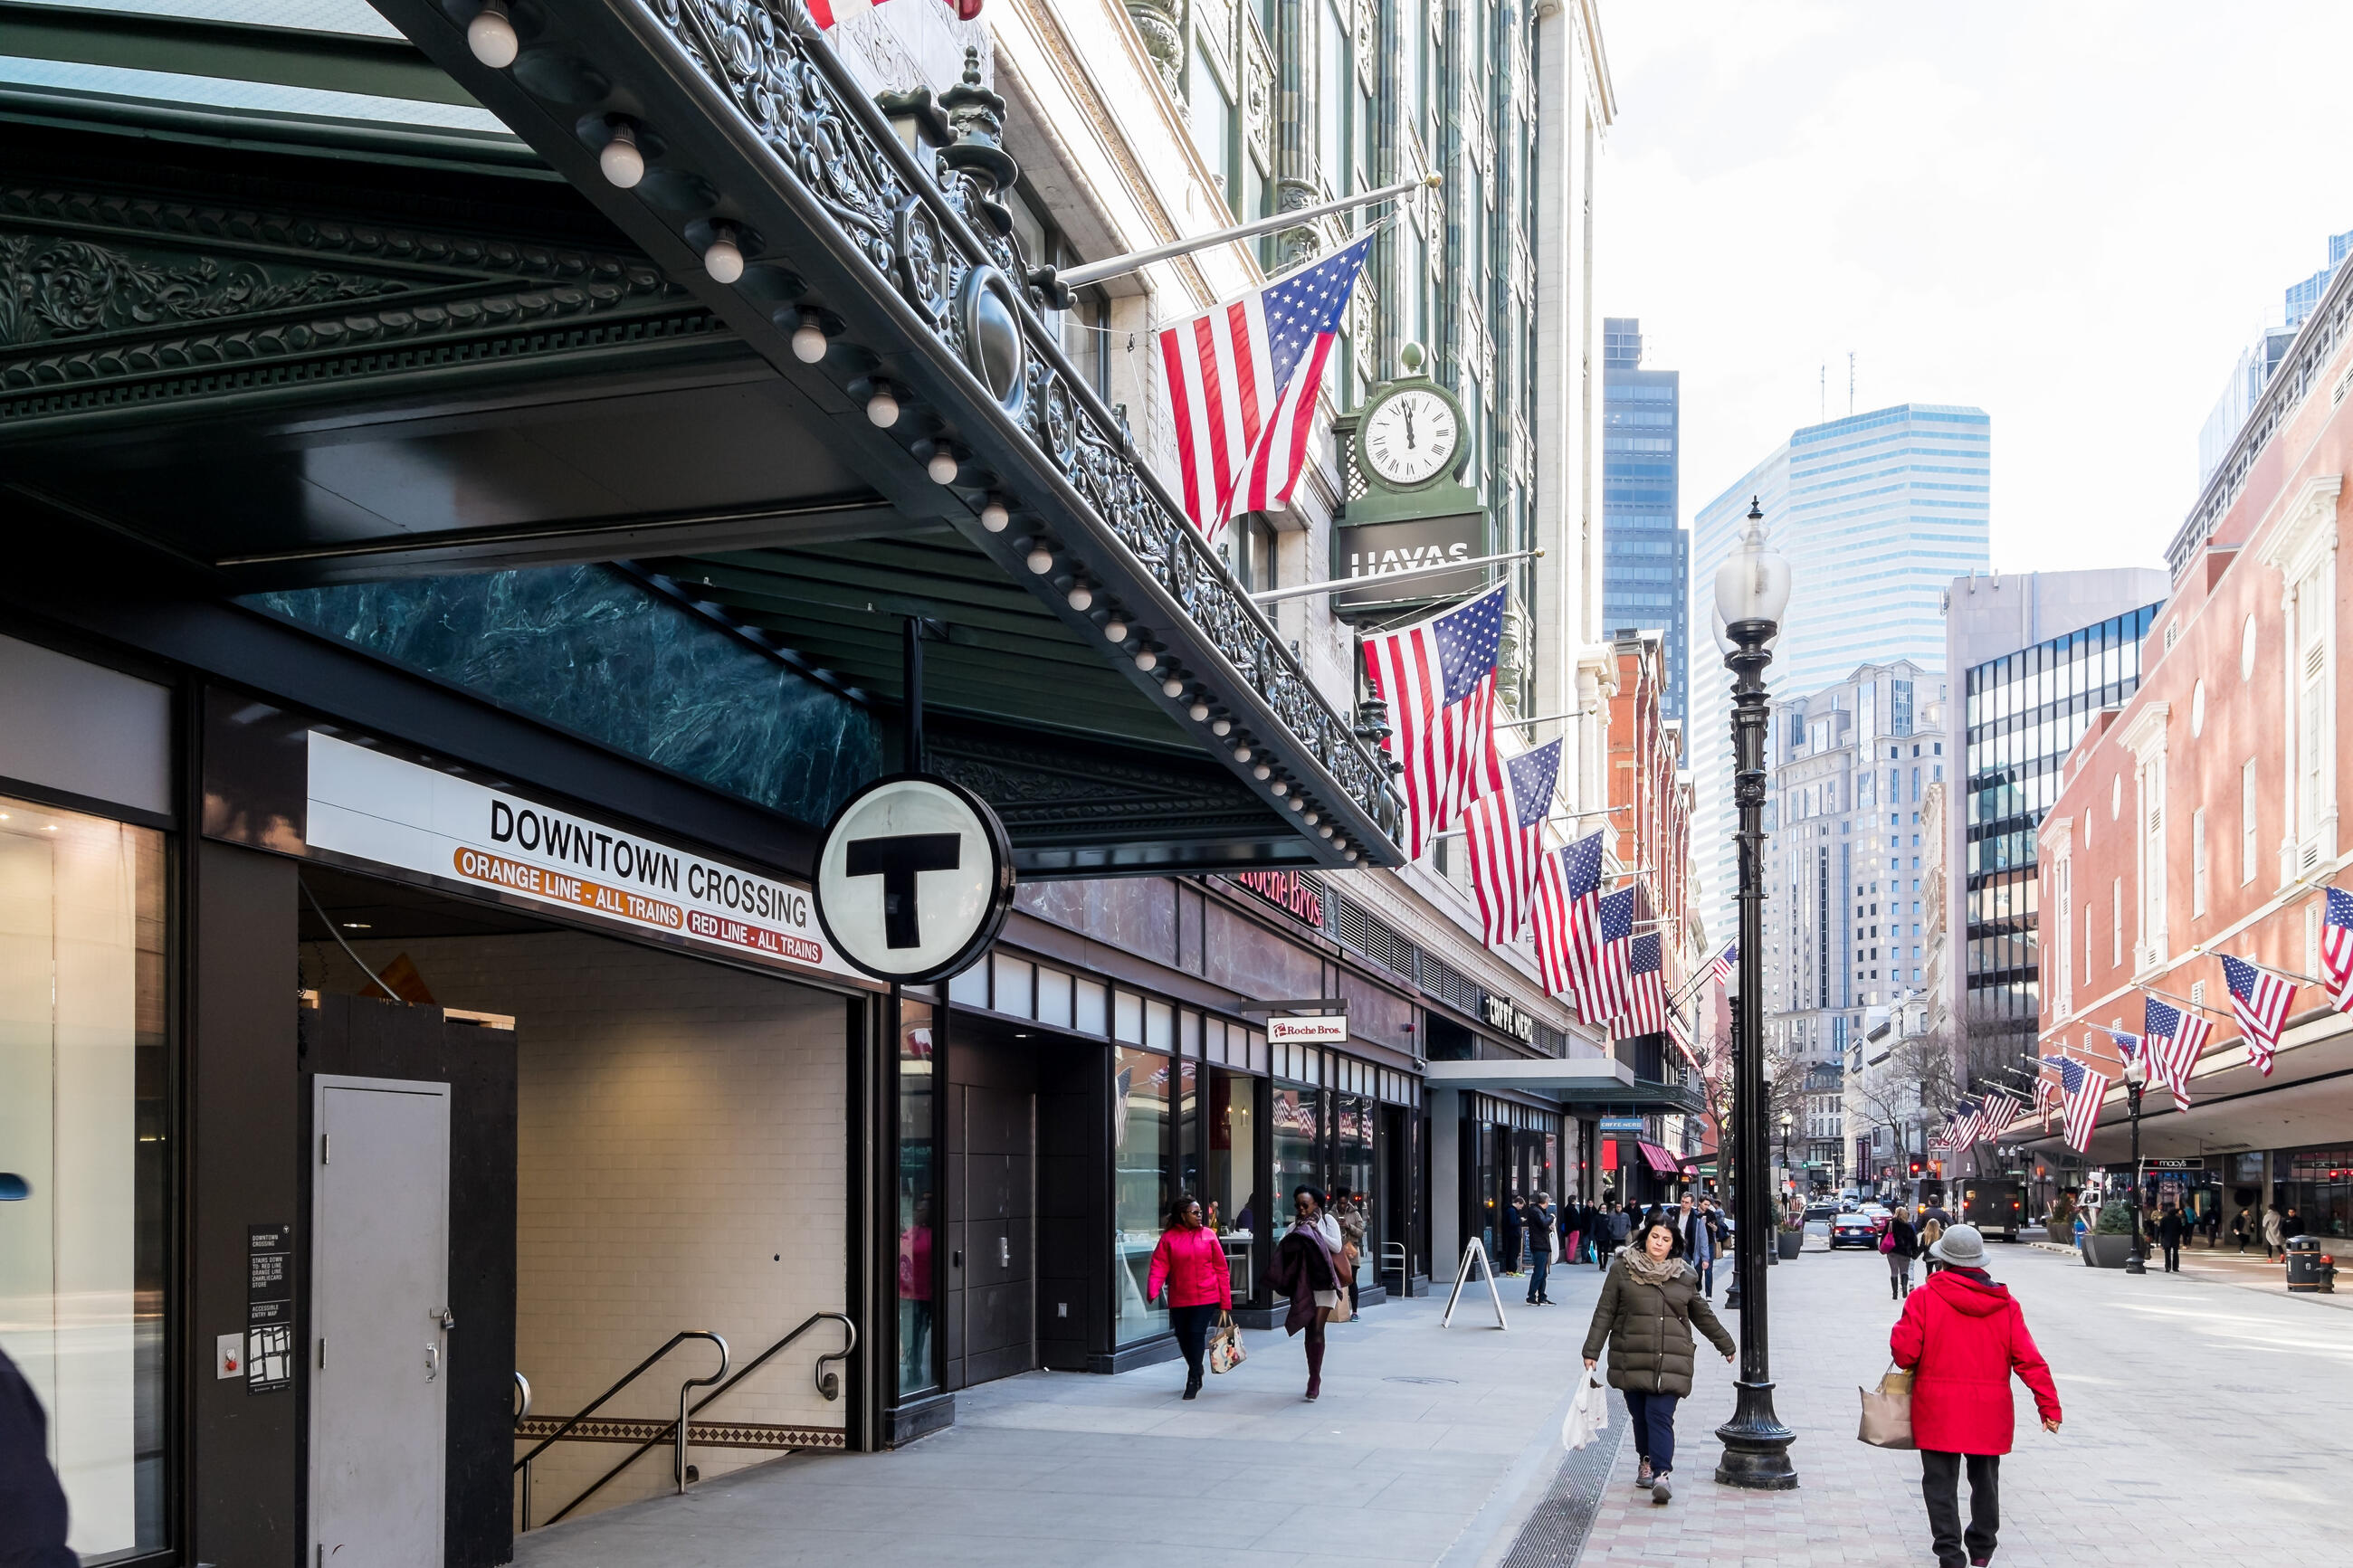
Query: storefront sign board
{"type": "Point", "coordinates": [1293, 894]}
{"type": "Point", "coordinates": [1620, 1124]}
{"type": "Point", "coordinates": [1323, 1029]}
{"type": "Point", "coordinates": [374, 807]}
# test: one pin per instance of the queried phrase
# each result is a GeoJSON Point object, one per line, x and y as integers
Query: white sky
{"type": "Point", "coordinates": [2071, 214]}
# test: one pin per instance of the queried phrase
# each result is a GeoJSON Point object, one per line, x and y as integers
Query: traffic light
{"type": "Point", "coordinates": [1915, 1167]}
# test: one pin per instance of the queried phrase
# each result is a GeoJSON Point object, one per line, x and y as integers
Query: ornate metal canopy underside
{"type": "Point", "coordinates": [280, 373]}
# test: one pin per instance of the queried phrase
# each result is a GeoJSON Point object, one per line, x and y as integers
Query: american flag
{"type": "Point", "coordinates": [826, 13]}
{"type": "Point", "coordinates": [2262, 1000]}
{"type": "Point", "coordinates": [1604, 979]}
{"type": "Point", "coordinates": [2176, 1040]}
{"type": "Point", "coordinates": [1967, 1119]}
{"type": "Point", "coordinates": [1646, 985]}
{"type": "Point", "coordinates": [1504, 834]}
{"type": "Point", "coordinates": [1569, 895]}
{"type": "Point", "coordinates": [1437, 677]}
{"type": "Point", "coordinates": [2084, 1088]}
{"type": "Point", "coordinates": [2046, 1088]}
{"type": "Point", "coordinates": [1243, 380]}
{"type": "Point", "coordinates": [1720, 968]}
{"type": "Point", "coordinates": [1999, 1108]}
{"type": "Point", "coordinates": [2336, 949]}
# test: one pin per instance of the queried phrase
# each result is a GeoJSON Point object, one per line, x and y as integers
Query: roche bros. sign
{"type": "Point", "coordinates": [379, 808]}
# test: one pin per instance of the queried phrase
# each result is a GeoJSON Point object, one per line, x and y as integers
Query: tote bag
{"type": "Point", "coordinates": [1226, 1350]}
{"type": "Point", "coordinates": [1589, 1413]}
{"type": "Point", "coordinates": [1888, 1412]}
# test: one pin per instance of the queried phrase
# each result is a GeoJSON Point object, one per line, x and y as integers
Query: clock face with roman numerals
{"type": "Point", "coordinates": [1410, 438]}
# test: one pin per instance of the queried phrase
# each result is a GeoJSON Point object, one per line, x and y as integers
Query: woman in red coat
{"type": "Point", "coordinates": [1963, 1335]}
{"type": "Point", "coordinates": [1191, 1263]}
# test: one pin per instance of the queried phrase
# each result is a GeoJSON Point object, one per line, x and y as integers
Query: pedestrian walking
{"type": "Point", "coordinates": [2212, 1220]}
{"type": "Point", "coordinates": [1540, 1243]}
{"type": "Point", "coordinates": [1697, 1234]}
{"type": "Point", "coordinates": [2171, 1226]}
{"type": "Point", "coordinates": [32, 1503]}
{"type": "Point", "coordinates": [2275, 1232]}
{"type": "Point", "coordinates": [1511, 1223]}
{"type": "Point", "coordinates": [1931, 1231]}
{"type": "Point", "coordinates": [1572, 1239]}
{"type": "Point", "coordinates": [1306, 1268]}
{"type": "Point", "coordinates": [1190, 1265]}
{"type": "Point", "coordinates": [1900, 1244]}
{"type": "Point", "coordinates": [1349, 1211]}
{"type": "Point", "coordinates": [1621, 1227]}
{"type": "Point", "coordinates": [1648, 1306]}
{"type": "Point", "coordinates": [1962, 1337]}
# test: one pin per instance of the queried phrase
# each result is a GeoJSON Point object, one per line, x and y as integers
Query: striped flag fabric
{"type": "Point", "coordinates": [1998, 1109]}
{"type": "Point", "coordinates": [1721, 968]}
{"type": "Point", "coordinates": [2176, 1040]}
{"type": "Point", "coordinates": [2083, 1089]}
{"type": "Point", "coordinates": [2337, 948]}
{"type": "Point", "coordinates": [1242, 379]}
{"type": "Point", "coordinates": [2261, 1000]}
{"type": "Point", "coordinates": [1569, 895]}
{"type": "Point", "coordinates": [1437, 677]}
{"type": "Point", "coordinates": [1603, 976]}
{"type": "Point", "coordinates": [2046, 1089]}
{"type": "Point", "coordinates": [1503, 832]}
{"type": "Point", "coordinates": [826, 13]}
{"type": "Point", "coordinates": [1646, 985]}
{"type": "Point", "coordinates": [1967, 1123]}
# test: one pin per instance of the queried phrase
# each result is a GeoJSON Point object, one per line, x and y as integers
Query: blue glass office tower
{"type": "Point", "coordinates": [1877, 514]}
{"type": "Point", "coordinates": [1645, 553]}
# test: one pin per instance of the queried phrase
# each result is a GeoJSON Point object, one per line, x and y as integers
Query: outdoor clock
{"type": "Point", "coordinates": [1410, 436]}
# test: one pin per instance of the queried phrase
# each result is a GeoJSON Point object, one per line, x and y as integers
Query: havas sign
{"type": "Point", "coordinates": [1375, 550]}
{"type": "Point", "coordinates": [373, 807]}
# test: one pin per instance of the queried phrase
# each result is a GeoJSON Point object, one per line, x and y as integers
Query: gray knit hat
{"type": "Point", "coordinates": [1962, 1246]}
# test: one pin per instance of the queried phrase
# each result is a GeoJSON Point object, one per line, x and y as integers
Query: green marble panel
{"type": "Point", "coordinates": [593, 652]}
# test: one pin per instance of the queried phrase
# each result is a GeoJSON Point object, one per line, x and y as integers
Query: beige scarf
{"type": "Point", "coordinates": [1647, 1269]}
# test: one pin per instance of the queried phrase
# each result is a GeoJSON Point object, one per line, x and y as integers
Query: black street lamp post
{"type": "Point", "coordinates": [1752, 590]}
{"type": "Point", "coordinates": [2135, 1080]}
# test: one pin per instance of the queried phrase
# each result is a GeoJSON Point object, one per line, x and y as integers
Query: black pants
{"type": "Point", "coordinates": [1192, 1326]}
{"type": "Point", "coordinates": [1539, 1268]}
{"type": "Point", "coordinates": [1653, 1419]}
{"type": "Point", "coordinates": [2172, 1255]}
{"type": "Point", "coordinates": [1940, 1487]}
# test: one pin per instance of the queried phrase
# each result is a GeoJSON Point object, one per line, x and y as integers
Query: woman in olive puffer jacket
{"type": "Point", "coordinates": [1648, 1305]}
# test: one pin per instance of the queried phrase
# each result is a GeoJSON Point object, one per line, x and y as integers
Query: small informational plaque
{"type": "Point", "coordinates": [268, 1309]}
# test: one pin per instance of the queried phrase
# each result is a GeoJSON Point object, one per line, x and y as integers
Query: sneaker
{"type": "Point", "coordinates": [1643, 1477]}
{"type": "Point", "coordinates": [1662, 1490]}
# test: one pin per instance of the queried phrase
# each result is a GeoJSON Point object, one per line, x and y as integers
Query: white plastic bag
{"type": "Point", "coordinates": [1589, 1413]}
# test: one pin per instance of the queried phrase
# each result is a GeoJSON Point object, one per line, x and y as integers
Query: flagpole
{"type": "Point", "coordinates": [1096, 271]}
{"type": "Point", "coordinates": [2186, 1002]}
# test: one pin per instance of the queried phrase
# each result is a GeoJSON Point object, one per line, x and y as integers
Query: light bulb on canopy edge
{"type": "Point", "coordinates": [621, 161]}
{"type": "Point", "coordinates": [492, 36]}
{"type": "Point", "coordinates": [942, 467]}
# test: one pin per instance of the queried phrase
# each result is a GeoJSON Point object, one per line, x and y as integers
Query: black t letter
{"type": "Point", "coordinates": [896, 860]}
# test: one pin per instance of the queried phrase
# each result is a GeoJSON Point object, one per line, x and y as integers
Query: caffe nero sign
{"type": "Point", "coordinates": [1501, 1014]}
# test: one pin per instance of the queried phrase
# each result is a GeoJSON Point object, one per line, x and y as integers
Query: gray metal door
{"type": "Point", "coordinates": [379, 1333]}
{"type": "Point", "coordinates": [1000, 1301]}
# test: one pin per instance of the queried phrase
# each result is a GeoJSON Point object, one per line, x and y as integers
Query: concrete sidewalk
{"type": "Point", "coordinates": [2203, 1426]}
{"type": "Point", "coordinates": [1429, 1444]}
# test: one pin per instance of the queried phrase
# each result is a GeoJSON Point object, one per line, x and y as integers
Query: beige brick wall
{"type": "Point", "coordinates": [681, 1135]}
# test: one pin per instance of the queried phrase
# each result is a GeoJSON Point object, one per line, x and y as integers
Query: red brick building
{"type": "Point", "coordinates": [2201, 817]}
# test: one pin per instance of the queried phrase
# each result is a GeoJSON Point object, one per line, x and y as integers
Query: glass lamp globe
{"type": "Point", "coordinates": [1753, 583]}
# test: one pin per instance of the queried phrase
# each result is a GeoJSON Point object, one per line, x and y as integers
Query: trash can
{"type": "Point", "coordinates": [2308, 1268]}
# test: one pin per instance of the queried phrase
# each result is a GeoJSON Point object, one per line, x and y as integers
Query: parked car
{"type": "Point", "coordinates": [1854, 1230]}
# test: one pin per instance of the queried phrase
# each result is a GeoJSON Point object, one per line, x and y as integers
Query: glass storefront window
{"type": "Point", "coordinates": [918, 1197]}
{"type": "Point", "coordinates": [1296, 1161]}
{"type": "Point", "coordinates": [82, 1125]}
{"type": "Point", "coordinates": [2318, 1191]}
{"type": "Point", "coordinates": [1233, 1197]}
{"type": "Point", "coordinates": [1141, 1190]}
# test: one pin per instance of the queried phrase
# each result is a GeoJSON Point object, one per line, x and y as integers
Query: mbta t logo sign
{"type": "Point", "coordinates": [915, 879]}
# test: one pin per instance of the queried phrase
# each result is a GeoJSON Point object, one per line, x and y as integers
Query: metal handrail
{"type": "Point", "coordinates": [627, 1378]}
{"type": "Point", "coordinates": [521, 1414]}
{"type": "Point", "coordinates": [828, 1385]}
{"type": "Point", "coordinates": [1399, 1248]}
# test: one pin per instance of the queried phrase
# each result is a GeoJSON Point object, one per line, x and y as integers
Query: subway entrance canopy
{"type": "Point", "coordinates": [425, 380]}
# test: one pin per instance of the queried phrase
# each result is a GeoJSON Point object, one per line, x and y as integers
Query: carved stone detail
{"type": "Point", "coordinates": [1161, 24]}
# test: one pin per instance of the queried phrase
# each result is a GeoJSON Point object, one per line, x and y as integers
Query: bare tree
{"type": "Point", "coordinates": [1914, 1084]}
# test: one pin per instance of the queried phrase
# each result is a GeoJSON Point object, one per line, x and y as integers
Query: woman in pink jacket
{"type": "Point", "coordinates": [1191, 1264]}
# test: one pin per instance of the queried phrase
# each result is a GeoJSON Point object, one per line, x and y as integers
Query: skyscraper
{"type": "Point", "coordinates": [1645, 553]}
{"type": "Point", "coordinates": [2260, 359]}
{"type": "Point", "coordinates": [1876, 513]}
{"type": "Point", "coordinates": [2034, 656]}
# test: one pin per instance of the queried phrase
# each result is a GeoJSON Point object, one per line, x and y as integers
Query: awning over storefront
{"type": "Point", "coordinates": [1659, 1160]}
{"type": "Point", "coordinates": [1585, 1084]}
